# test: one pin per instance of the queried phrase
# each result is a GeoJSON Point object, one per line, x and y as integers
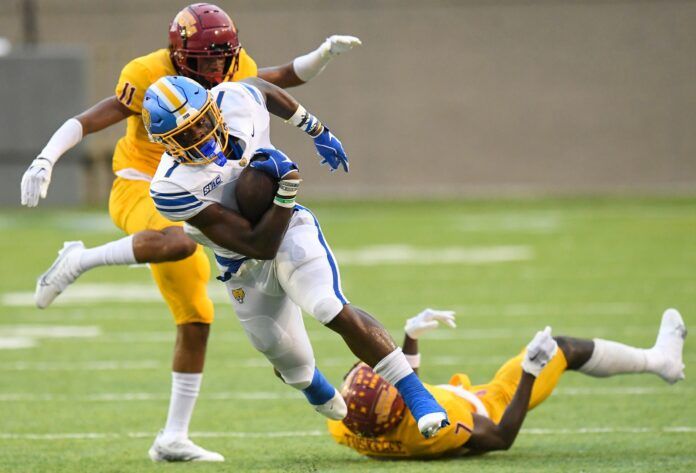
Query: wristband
{"type": "Point", "coordinates": [307, 122]}
{"type": "Point", "coordinates": [413, 360]}
{"type": "Point", "coordinates": [287, 191]}
{"type": "Point", "coordinates": [284, 202]}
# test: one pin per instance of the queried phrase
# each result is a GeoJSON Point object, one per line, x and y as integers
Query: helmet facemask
{"type": "Point", "coordinates": [197, 64]}
{"type": "Point", "coordinates": [199, 139]}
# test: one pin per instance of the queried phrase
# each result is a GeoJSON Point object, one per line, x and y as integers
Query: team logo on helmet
{"type": "Point", "coordinates": [374, 406]}
{"type": "Point", "coordinates": [239, 295]}
{"type": "Point", "coordinates": [187, 23]}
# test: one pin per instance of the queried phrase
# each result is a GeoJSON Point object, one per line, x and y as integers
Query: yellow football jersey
{"type": "Point", "coordinates": [135, 150]}
{"type": "Point", "coordinates": [406, 441]}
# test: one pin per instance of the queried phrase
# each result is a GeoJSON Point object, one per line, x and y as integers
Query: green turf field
{"type": "Point", "coordinates": [89, 389]}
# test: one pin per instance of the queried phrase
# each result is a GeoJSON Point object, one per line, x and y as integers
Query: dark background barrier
{"type": "Point", "coordinates": [444, 97]}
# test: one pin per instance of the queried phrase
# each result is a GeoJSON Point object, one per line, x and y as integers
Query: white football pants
{"type": "Point", "coordinates": [268, 297]}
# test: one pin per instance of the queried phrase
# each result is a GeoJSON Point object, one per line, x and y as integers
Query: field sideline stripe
{"type": "Point", "coordinates": [289, 394]}
{"type": "Point", "coordinates": [318, 433]}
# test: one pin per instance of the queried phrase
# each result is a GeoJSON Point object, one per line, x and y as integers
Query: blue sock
{"type": "Point", "coordinates": [320, 390]}
{"type": "Point", "coordinates": [418, 399]}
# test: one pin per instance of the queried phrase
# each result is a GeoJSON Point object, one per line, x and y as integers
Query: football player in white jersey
{"type": "Point", "coordinates": [279, 266]}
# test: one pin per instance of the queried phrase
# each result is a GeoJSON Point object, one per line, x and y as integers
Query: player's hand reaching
{"type": "Point", "coordinates": [277, 164]}
{"type": "Point", "coordinates": [427, 321]}
{"type": "Point", "coordinates": [330, 149]}
{"type": "Point", "coordinates": [338, 44]}
{"type": "Point", "coordinates": [540, 351]}
{"type": "Point", "coordinates": [35, 181]}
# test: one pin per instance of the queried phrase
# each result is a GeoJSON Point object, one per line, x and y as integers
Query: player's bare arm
{"type": "Point", "coordinates": [419, 325]}
{"type": "Point", "coordinates": [102, 115]}
{"type": "Point", "coordinates": [230, 230]}
{"type": "Point", "coordinates": [489, 436]}
{"type": "Point", "coordinates": [282, 76]}
{"type": "Point", "coordinates": [281, 104]}
{"type": "Point", "coordinates": [278, 102]}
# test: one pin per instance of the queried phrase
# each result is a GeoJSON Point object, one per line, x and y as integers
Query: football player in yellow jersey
{"type": "Point", "coordinates": [203, 45]}
{"type": "Point", "coordinates": [488, 417]}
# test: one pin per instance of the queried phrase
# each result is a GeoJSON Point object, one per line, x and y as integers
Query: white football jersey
{"type": "Point", "coordinates": [181, 191]}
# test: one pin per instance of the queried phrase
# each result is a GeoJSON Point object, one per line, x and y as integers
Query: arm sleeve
{"type": "Point", "coordinates": [174, 202]}
{"type": "Point", "coordinates": [132, 84]}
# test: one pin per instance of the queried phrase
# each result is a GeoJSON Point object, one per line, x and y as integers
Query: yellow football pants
{"type": "Point", "coordinates": [183, 284]}
{"type": "Point", "coordinates": [497, 394]}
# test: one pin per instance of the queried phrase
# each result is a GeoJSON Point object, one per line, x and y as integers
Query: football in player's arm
{"type": "Point", "coordinates": [488, 417]}
{"type": "Point", "coordinates": [203, 45]}
{"type": "Point", "coordinates": [267, 295]}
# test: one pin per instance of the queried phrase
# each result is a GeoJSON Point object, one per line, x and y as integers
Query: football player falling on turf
{"type": "Point", "coordinates": [488, 417]}
{"type": "Point", "coordinates": [203, 44]}
{"type": "Point", "coordinates": [280, 265]}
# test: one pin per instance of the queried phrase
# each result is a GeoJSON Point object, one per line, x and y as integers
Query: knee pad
{"type": "Point", "coordinates": [267, 336]}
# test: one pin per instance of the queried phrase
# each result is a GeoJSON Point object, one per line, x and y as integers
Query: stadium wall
{"type": "Point", "coordinates": [448, 97]}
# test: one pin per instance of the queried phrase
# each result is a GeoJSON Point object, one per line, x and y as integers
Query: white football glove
{"type": "Point", "coordinates": [539, 352]}
{"type": "Point", "coordinates": [338, 44]}
{"type": "Point", "coordinates": [35, 181]}
{"type": "Point", "coordinates": [428, 320]}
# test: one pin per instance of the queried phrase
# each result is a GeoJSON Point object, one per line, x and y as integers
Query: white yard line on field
{"type": "Point", "coordinates": [411, 255]}
{"type": "Point", "coordinates": [137, 397]}
{"type": "Point", "coordinates": [289, 394]}
{"type": "Point", "coordinates": [14, 337]}
{"type": "Point", "coordinates": [319, 433]}
{"type": "Point", "coordinates": [15, 343]}
{"type": "Point", "coordinates": [366, 256]}
{"type": "Point", "coordinates": [104, 365]}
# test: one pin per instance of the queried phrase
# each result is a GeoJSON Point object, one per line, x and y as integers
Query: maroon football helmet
{"type": "Point", "coordinates": [203, 44]}
{"type": "Point", "coordinates": [374, 405]}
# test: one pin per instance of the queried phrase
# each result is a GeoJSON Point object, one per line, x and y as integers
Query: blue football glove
{"type": "Point", "coordinates": [331, 150]}
{"type": "Point", "coordinates": [278, 165]}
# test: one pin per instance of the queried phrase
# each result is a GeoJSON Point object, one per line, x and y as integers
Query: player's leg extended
{"type": "Point", "coordinates": [156, 241]}
{"type": "Point", "coordinates": [183, 285]}
{"type": "Point", "coordinates": [309, 274]}
{"type": "Point", "coordinates": [597, 357]}
{"type": "Point", "coordinates": [274, 325]}
{"type": "Point", "coordinates": [664, 359]}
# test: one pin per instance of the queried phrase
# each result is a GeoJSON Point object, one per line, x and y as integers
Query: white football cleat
{"type": "Point", "coordinates": [63, 272]}
{"type": "Point", "coordinates": [430, 424]}
{"type": "Point", "coordinates": [669, 346]}
{"type": "Point", "coordinates": [335, 408]}
{"type": "Point", "coordinates": [180, 450]}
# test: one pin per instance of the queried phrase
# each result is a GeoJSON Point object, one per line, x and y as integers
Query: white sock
{"type": "Point", "coordinates": [610, 358]}
{"type": "Point", "coordinates": [114, 252]}
{"type": "Point", "coordinates": [394, 367]}
{"type": "Point", "coordinates": [185, 387]}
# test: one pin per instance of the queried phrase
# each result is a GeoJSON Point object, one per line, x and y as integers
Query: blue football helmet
{"type": "Point", "coordinates": [180, 114]}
